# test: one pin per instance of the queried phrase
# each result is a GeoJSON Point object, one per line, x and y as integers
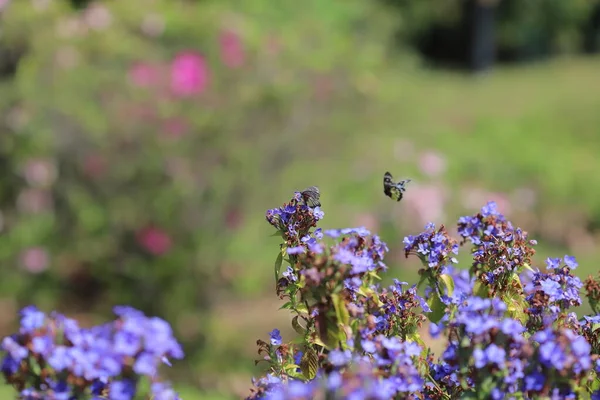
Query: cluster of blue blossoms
{"type": "Point", "coordinates": [507, 327]}
{"type": "Point", "coordinates": [51, 357]}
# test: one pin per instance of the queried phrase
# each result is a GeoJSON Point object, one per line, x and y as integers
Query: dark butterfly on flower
{"type": "Point", "coordinates": [393, 190]}
{"type": "Point", "coordinates": [311, 196]}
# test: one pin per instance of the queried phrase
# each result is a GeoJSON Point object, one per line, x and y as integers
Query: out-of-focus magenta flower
{"type": "Point", "coordinates": [234, 218]}
{"type": "Point", "coordinates": [432, 163]}
{"type": "Point", "coordinates": [94, 165]}
{"type": "Point", "coordinates": [144, 75]}
{"type": "Point", "coordinates": [232, 49]}
{"type": "Point", "coordinates": [175, 127]}
{"type": "Point", "coordinates": [153, 25]}
{"type": "Point", "coordinates": [97, 16]}
{"type": "Point", "coordinates": [3, 3]}
{"type": "Point", "coordinates": [427, 202]}
{"type": "Point", "coordinates": [40, 172]}
{"type": "Point", "coordinates": [34, 201]}
{"type": "Point", "coordinates": [189, 74]}
{"type": "Point", "coordinates": [154, 240]}
{"type": "Point", "coordinates": [35, 260]}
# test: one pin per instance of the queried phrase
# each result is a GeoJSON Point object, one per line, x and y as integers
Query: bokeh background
{"type": "Point", "coordinates": [141, 142]}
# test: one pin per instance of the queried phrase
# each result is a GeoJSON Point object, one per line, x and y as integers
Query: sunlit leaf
{"type": "Point", "coordinates": [448, 282]}
{"type": "Point", "coordinates": [438, 308]}
{"type": "Point", "coordinates": [309, 364]}
{"type": "Point", "coordinates": [278, 263]}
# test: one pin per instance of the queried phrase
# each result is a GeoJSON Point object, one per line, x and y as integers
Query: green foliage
{"type": "Point", "coordinates": [141, 188]}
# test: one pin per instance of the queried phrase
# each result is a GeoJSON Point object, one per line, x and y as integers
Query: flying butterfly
{"type": "Point", "coordinates": [393, 190]}
{"type": "Point", "coordinates": [311, 196]}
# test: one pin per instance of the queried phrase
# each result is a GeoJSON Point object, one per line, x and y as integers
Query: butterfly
{"type": "Point", "coordinates": [311, 196]}
{"type": "Point", "coordinates": [393, 190]}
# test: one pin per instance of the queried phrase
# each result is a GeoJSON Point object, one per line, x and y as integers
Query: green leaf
{"type": "Point", "coordinates": [415, 337]}
{"type": "Point", "coordinates": [424, 277]}
{"type": "Point", "coordinates": [515, 305]}
{"type": "Point", "coordinates": [290, 368]}
{"type": "Point", "coordinates": [309, 364]}
{"type": "Point", "coordinates": [468, 395]}
{"type": "Point", "coordinates": [278, 263]}
{"type": "Point", "coordinates": [341, 312]}
{"type": "Point", "coordinates": [302, 308]}
{"type": "Point", "coordinates": [438, 308]}
{"type": "Point", "coordinates": [286, 305]}
{"type": "Point", "coordinates": [297, 327]}
{"type": "Point", "coordinates": [448, 282]}
{"type": "Point", "coordinates": [528, 267]}
{"type": "Point", "coordinates": [480, 290]}
{"type": "Point", "coordinates": [296, 375]}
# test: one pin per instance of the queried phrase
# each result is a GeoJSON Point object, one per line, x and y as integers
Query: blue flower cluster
{"type": "Point", "coordinates": [503, 338]}
{"type": "Point", "coordinates": [294, 220]}
{"type": "Point", "coordinates": [500, 250]}
{"type": "Point", "coordinates": [384, 369]}
{"type": "Point", "coordinates": [484, 225]}
{"type": "Point", "coordinates": [398, 315]}
{"type": "Point", "coordinates": [433, 247]}
{"type": "Point", "coordinates": [51, 357]}
{"type": "Point", "coordinates": [548, 294]}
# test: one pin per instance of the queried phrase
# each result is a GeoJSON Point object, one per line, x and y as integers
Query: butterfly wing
{"type": "Point", "coordinates": [389, 187]}
{"type": "Point", "coordinates": [311, 196]}
{"type": "Point", "coordinates": [392, 189]}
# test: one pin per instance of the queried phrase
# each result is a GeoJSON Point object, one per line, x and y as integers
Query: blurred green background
{"type": "Point", "coordinates": [141, 142]}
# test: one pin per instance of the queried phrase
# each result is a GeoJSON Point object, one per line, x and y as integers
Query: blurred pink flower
{"type": "Point", "coordinates": [3, 3]}
{"type": "Point", "coordinates": [232, 49]}
{"type": "Point", "coordinates": [175, 127]}
{"type": "Point", "coordinates": [35, 260]}
{"type": "Point", "coordinates": [368, 221]}
{"type": "Point", "coordinates": [94, 165]}
{"type": "Point", "coordinates": [144, 75]}
{"type": "Point", "coordinates": [189, 74]}
{"type": "Point", "coordinates": [153, 25]}
{"type": "Point", "coordinates": [34, 200]}
{"type": "Point", "coordinates": [154, 240]}
{"type": "Point", "coordinates": [40, 172]}
{"type": "Point", "coordinates": [233, 218]}
{"type": "Point", "coordinates": [432, 163]}
{"type": "Point", "coordinates": [97, 16]}
{"type": "Point", "coordinates": [40, 5]}
{"type": "Point", "coordinates": [426, 201]}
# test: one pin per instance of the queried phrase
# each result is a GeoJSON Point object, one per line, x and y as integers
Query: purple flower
{"type": "Point", "coordinates": [31, 319]}
{"type": "Point", "coordinates": [318, 213]}
{"type": "Point", "coordinates": [339, 358]}
{"type": "Point", "coordinates": [296, 250]}
{"type": "Point", "coordinates": [14, 349]}
{"type": "Point", "coordinates": [570, 261]}
{"type": "Point", "coordinates": [145, 364]}
{"type": "Point", "coordinates": [275, 336]}
{"type": "Point", "coordinates": [552, 263]}
{"type": "Point", "coordinates": [122, 390]}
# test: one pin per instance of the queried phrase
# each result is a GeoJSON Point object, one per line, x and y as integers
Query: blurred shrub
{"type": "Point", "coordinates": [525, 29]}
{"type": "Point", "coordinates": [134, 135]}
